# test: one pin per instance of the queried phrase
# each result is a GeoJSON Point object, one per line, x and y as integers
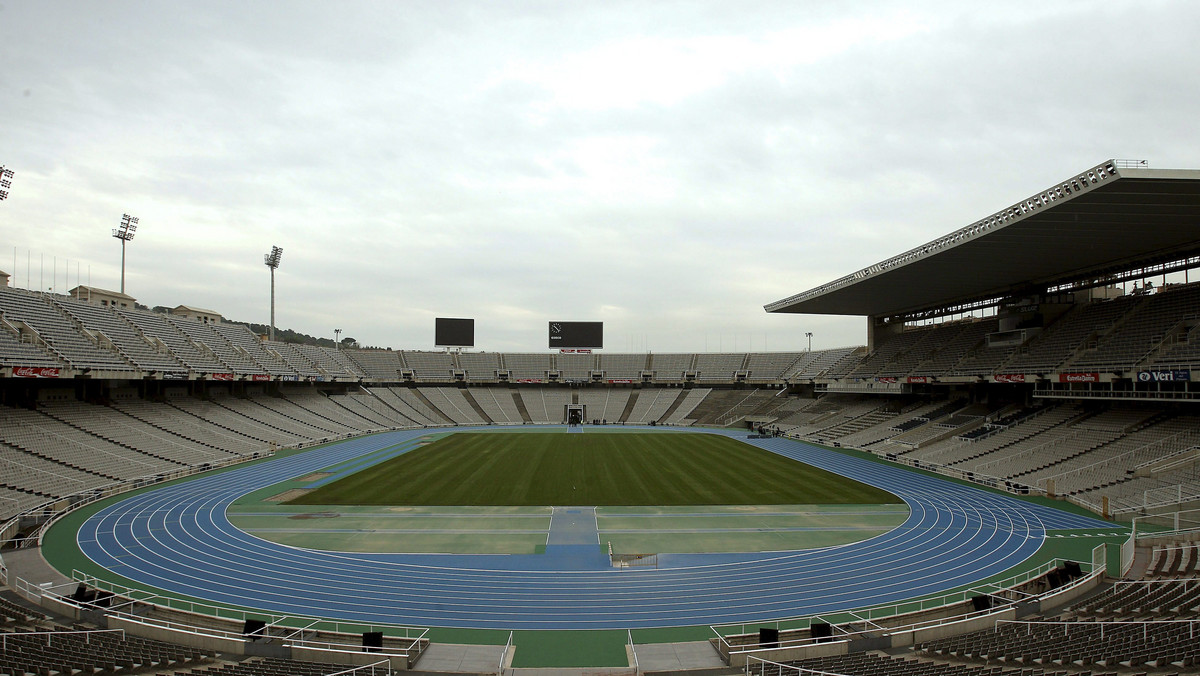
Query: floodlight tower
{"type": "Point", "coordinates": [337, 333]}
{"type": "Point", "coordinates": [808, 335]}
{"type": "Point", "coordinates": [5, 182]}
{"type": "Point", "coordinates": [125, 233]}
{"type": "Point", "coordinates": [272, 261]}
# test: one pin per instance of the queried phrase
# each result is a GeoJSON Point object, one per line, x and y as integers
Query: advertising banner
{"type": "Point", "coordinates": [1079, 377]}
{"type": "Point", "coordinates": [36, 372]}
{"type": "Point", "coordinates": [1164, 376]}
{"type": "Point", "coordinates": [1009, 377]}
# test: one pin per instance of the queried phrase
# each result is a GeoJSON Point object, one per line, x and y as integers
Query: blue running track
{"type": "Point", "coordinates": [177, 538]}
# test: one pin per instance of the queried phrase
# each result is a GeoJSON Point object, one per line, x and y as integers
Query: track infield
{"type": "Point", "coordinates": [595, 469]}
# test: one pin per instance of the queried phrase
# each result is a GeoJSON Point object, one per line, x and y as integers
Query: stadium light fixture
{"type": "Point", "coordinates": [125, 233]}
{"type": "Point", "coordinates": [272, 261]}
{"type": "Point", "coordinates": [5, 182]}
{"type": "Point", "coordinates": [336, 335]}
{"type": "Point", "coordinates": [808, 335]}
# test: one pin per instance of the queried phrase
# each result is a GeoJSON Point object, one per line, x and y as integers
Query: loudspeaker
{"type": "Point", "coordinates": [981, 602]}
{"type": "Point", "coordinates": [372, 641]}
{"type": "Point", "coordinates": [768, 638]}
{"type": "Point", "coordinates": [1072, 570]}
{"type": "Point", "coordinates": [821, 631]}
{"type": "Point", "coordinates": [1054, 578]}
{"type": "Point", "coordinates": [254, 628]}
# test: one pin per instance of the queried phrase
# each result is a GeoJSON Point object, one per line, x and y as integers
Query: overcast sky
{"type": "Point", "coordinates": [664, 167]}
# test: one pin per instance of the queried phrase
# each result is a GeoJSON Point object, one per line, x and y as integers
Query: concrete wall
{"type": "Point", "coordinates": [789, 654]}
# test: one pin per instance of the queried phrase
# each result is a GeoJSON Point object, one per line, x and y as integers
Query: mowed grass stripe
{"type": "Point", "coordinates": [599, 469]}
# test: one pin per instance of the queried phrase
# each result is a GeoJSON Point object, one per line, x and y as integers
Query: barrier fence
{"type": "Point", "coordinates": [1096, 567]}
{"type": "Point", "coordinates": [757, 666]}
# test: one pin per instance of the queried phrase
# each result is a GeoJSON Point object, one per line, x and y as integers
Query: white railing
{"type": "Point", "coordinates": [504, 655]}
{"type": "Point", "coordinates": [134, 595]}
{"type": "Point", "coordinates": [87, 634]}
{"type": "Point", "coordinates": [757, 666]}
{"type": "Point", "coordinates": [73, 501]}
{"type": "Point", "coordinates": [637, 668]}
{"type": "Point", "coordinates": [1128, 550]}
{"type": "Point", "coordinates": [1031, 625]}
{"type": "Point", "coordinates": [1093, 568]}
{"type": "Point", "coordinates": [1035, 450]}
{"type": "Point", "coordinates": [1189, 435]}
{"type": "Point", "coordinates": [1183, 524]}
{"type": "Point", "coordinates": [385, 668]}
{"type": "Point", "coordinates": [126, 597]}
{"type": "Point", "coordinates": [980, 478]}
{"type": "Point", "coordinates": [1174, 496]}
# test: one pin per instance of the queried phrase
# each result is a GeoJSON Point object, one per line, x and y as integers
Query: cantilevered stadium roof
{"type": "Point", "coordinates": [1108, 219]}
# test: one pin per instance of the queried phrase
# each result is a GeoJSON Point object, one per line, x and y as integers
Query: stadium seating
{"type": "Point", "coordinates": [434, 367]}
{"type": "Point", "coordinates": [769, 367]}
{"type": "Point", "coordinates": [623, 366]}
{"type": "Point", "coordinates": [1142, 330]}
{"type": "Point", "coordinates": [718, 367]}
{"type": "Point", "coordinates": [480, 366]}
{"type": "Point", "coordinates": [576, 366]}
{"type": "Point", "coordinates": [70, 652]}
{"type": "Point", "coordinates": [669, 368]}
{"type": "Point", "coordinates": [121, 335]}
{"type": "Point", "coordinates": [377, 364]}
{"type": "Point", "coordinates": [302, 363]}
{"type": "Point", "coordinates": [535, 367]}
{"type": "Point", "coordinates": [1069, 334]}
{"type": "Point", "coordinates": [499, 405]}
{"type": "Point", "coordinates": [157, 327]}
{"type": "Point", "coordinates": [61, 335]}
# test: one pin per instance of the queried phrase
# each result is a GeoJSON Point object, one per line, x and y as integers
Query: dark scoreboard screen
{"type": "Point", "coordinates": [576, 335]}
{"type": "Point", "coordinates": [453, 332]}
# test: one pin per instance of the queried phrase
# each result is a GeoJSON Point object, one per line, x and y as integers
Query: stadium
{"type": "Point", "coordinates": [997, 482]}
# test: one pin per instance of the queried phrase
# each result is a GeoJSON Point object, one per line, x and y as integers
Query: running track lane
{"type": "Point", "coordinates": [177, 538]}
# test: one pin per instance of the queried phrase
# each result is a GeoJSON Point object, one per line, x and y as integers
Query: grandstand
{"type": "Point", "coordinates": [1051, 348]}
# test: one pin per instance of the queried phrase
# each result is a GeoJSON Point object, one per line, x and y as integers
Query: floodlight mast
{"type": "Point", "coordinates": [5, 182]}
{"type": "Point", "coordinates": [337, 333]}
{"type": "Point", "coordinates": [272, 261]}
{"type": "Point", "coordinates": [809, 336]}
{"type": "Point", "coordinates": [125, 233]}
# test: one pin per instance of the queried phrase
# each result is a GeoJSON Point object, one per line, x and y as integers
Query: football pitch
{"type": "Point", "coordinates": [496, 493]}
{"type": "Point", "coordinates": [594, 469]}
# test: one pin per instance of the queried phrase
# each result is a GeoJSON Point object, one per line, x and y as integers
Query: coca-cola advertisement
{"type": "Point", "coordinates": [221, 376]}
{"type": "Point", "coordinates": [1009, 377]}
{"type": "Point", "coordinates": [36, 372]}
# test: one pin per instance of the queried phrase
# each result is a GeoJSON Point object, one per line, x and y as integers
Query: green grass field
{"type": "Point", "coordinates": [518, 469]}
